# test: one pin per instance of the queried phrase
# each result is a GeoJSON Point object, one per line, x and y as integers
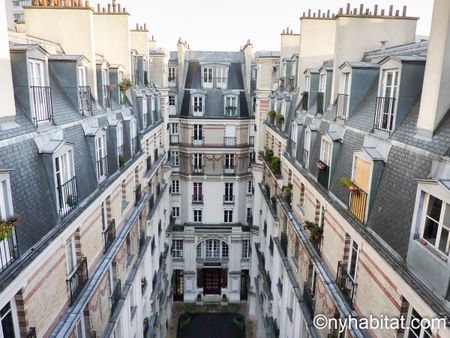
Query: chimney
{"type": "Point", "coordinates": [404, 10]}
{"type": "Point", "coordinates": [391, 9]}
{"type": "Point", "coordinates": [435, 101]}
{"type": "Point", "coordinates": [375, 10]}
{"type": "Point", "coordinates": [348, 9]}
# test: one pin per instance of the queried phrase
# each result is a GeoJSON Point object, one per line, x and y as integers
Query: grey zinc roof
{"type": "Point", "coordinates": [267, 53]}
{"type": "Point", "coordinates": [215, 56]}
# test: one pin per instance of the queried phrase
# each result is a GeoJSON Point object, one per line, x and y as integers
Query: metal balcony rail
{"type": "Point", "coordinates": [107, 96]}
{"type": "Point", "coordinates": [197, 170]}
{"type": "Point", "coordinates": [102, 167]}
{"type": "Point", "coordinates": [230, 111]}
{"type": "Point", "coordinates": [197, 199]}
{"type": "Point", "coordinates": [198, 141]}
{"type": "Point", "coordinates": [77, 279]}
{"type": "Point", "coordinates": [346, 283]}
{"type": "Point", "coordinates": [115, 296]}
{"type": "Point", "coordinates": [228, 199]}
{"type": "Point", "coordinates": [305, 100]}
{"type": "Point", "coordinates": [229, 141]}
{"type": "Point", "coordinates": [229, 170]}
{"type": "Point", "coordinates": [320, 99]}
{"type": "Point", "coordinates": [251, 140]}
{"type": "Point", "coordinates": [109, 234]}
{"type": "Point", "coordinates": [42, 104]}
{"type": "Point", "coordinates": [358, 204]}
{"type": "Point", "coordinates": [174, 139]}
{"type": "Point", "coordinates": [342, 106]}
{"type": "Point", "coordinates": [384, 113]}
{"type": "Point", "coordinates": [309, 298]}
{"type": "Point", "coordinates": [84, 100]}
{"type": "Point", "coordinates": [67, 196]}
{"type": "Point", "coordinates": [9, 250]}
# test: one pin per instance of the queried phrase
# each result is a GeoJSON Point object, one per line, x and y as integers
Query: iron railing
{"type": "Point", "coordinates": [197, 199]}
{"type": "Point", "coordinates": [229, 141]}
{"type": "Point", "coordinates": [228, 199]}
{"type": "Point", "coordinates": [174, 139]}
{"type": "Point", "coordinates": [109, 234]}
{"type": "Point", "coordinates": [197, 169]}
{"type": "Point", "coordinates": [346, 283]}
{"type": "Point", "coordinates": [84, 100]}
{"type": "Point", "coordinates": [358, 203]}
{"type": "Point", "coordinates": [305, 101]}
{"type": "Point", "coordinates": [102, 168]}
{"type": "Point", "coordinates": [384, 113]}
{"type": "Point", "coordinates": [320, 99]}
{"type": "Point", "coordinates": [309, 298]}
{"type": "Point", "coordinates": [198, 141]}
{"type": "Point", "coordinates": [342, 106]}
{"type": "Point", "coordinates": [323, 175]}
{"type": "Point", "coordinates": [42, 104]}
{"type": "Point", "coordinates": [67, 196]}
{"type": "Point", "coordinates": [149, 163]}
{"type": "Point", "coordinates": [9, 250]}
{"type": "Point", "coordinates": [229, 170]}
{"type": "Point", "coordinates": [77, 279]}
{"type": "Point", "coordinates": [121, 155]}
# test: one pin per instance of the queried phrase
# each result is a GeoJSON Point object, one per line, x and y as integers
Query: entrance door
{"type": "Point", "coordinates": [212, 281]}
{"type": "Point", "coordinates": [179, 285]}
{"type": "Point", "coordinates": [244, 284]}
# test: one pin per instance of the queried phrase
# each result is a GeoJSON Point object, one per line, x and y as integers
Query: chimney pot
{"type": "Point", "coordinates": [328, 13]}
{"type": "Point", "coordinates": [98, 8]}
{"type": "Point", "coordinates": [318, 13]}
{"type": "Point", "coordinates": [348, 9]}
{"type": "Point", "coordinates": [119, 8]}
{"type": "Point", "coordinates": [375, 10]}
{"type": "Point", "coordinates": [314, 14]}
{"type": "Point", "coordinates": [404, 10]}
{"type": "Point", "coordinates": [367, 11]}
{"type": "Point", "coordinates": [303, 14]}
{"type": "Point", "coordinates": [123, 10]}
{"type": "Point", "coordinates": [66, 3]}
{"type": "Point", "coordinates": [137, 26]}
{"type": "Point", "coordinates": [44, 3]}
{"type": "Point", "coordinates": [382, 12]}
{"type": "Point", "coordinates": [391, 10]}
{"type": "Point", "coordinates": [87, 4]}
{"type": "Point", "coordinates": [355, 11]}
{"type": "Point", "coordinates": [397, 12]}
{"type": "Point", "coordinates": [109, 8]}
{"type": "Point", "coordinates": [361, 9]}
{"type": "Point", "coordinates": [309, 13]}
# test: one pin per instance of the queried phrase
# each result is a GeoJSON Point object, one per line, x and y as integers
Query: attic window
{"type": "Point", "coordinates": [197, 105]}
{"type": "Point", "coordinates": [207, 77]}
{"type": "Point", "coordinates": [231, 105]}
{"type": "Point", "coordinates": [221, 77]}
{"type": "Point", "coordinates": [386, 102]}
{"type": "Point", "coordinates": [362, 171]}
{"type": "Point", "coordinates": [343, 97]}
{"type": "Point", "coordinates": [172, 72]}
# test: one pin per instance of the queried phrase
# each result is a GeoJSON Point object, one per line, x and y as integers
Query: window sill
{"type": "Point", "coordinates": [429, 246]}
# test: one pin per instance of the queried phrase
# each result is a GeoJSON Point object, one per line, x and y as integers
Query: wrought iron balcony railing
{"type": "Point", "coordinates": [174, 139]}
{"type": "Point", "coordinates": [229, 141]}
{"type": "Point", "coordinates": [42, 104]}
{"type": "Point", "coordinates": [197, 199]}
{"type": "Point", "coordinates": [67, 196]}
{"type": "Point", "coordinates": [228, 199]}
{"type": "Point", "coordinates": [346, 283]}
{"type": "Point", "coordinates": [197, 170]}
{"type": "Point", "coordinates": [358, 203]}
{"type": "Point", "coordinates": [305, 100]}
{"type": "Point", "coordinates": [229, 171]}
{"type": "Point", "coordinates": [77, 279]}
{"type": "Point", "coordinates": [84, 100]}
{"type": "Point", "coordinates": [384, 113]}
{"type": "Point", "coordinates": [137, 194]}
{"type": "Point", "coordinates": [115, 296]}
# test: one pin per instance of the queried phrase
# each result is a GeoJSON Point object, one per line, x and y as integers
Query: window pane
{"type": "Point", "coordinates": [443, 241]}
{"type": "Point", "coordinates": [434, 208]}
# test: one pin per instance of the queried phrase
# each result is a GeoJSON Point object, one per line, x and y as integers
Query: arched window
{"type": "Point", "coordinates": [212, 248]}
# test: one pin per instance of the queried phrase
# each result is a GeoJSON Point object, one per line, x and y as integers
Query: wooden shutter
{"type": "Point", "coordinates": [362, 174]}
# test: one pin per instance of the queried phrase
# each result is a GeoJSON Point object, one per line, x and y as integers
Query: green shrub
{"type": "Point", "coordinates": [271, 114]}
{"type": "Point", "coordinates": [121, 161]}
{"type": "Point", "coordinates": [276, 165]}
{"type": "Point", "coordinates": [268, 155]}
{"type": "Point", "coordinates": [279, 119]}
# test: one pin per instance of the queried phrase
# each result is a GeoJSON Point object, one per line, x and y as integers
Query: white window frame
{"type": "Point", "coordinates": [207, 77]}
{"type": "Point", "coordinates": [323, 83]}
{"type": "Point", "coordinates": [228, 216]}
{"type": "Point", "coordinates": [307, 146]}
{"type": "Point", "coordinates": [175, 157]}
{"type": "Point", "coordinates": [198, 215]}
{"type": "Point", "coordinates": [6, 205]}
{"type": "Point", "coordinates": [82, 76]}
{"type": "Point", "coordinates": [101, 153]}
{"type": "Point", "coordinates": [144, 112]}
{"type": "Point", "coordinates": [326, 151]}
{"type": "Point", "coordinates": [175, 186]}
{"type": "Point", "coordinates": [350, 260]}
{"type": "Point", "coordinates": [176, 212]}
{"type": "Point", "coordinates": [66, 172]}
{"type": "Point", "coordinates": [177, 248]}
{"type": "Point", "coordinates": [13, 311]}
{"type": "Point", "coordinates": [232, 102]}
{"type": "Point", "coordinates": [245, 254]}
{"type": "Point", "coordinates": [197, 160]}
{"type": "Point", "coordinates": [307, 83]}
{"type": "Point", "coordinates": [133, 134]}
{"type": "Point", "coordinates": [390, 91]}
{"type": "Point", "coordinates": [37, 74]}
{"type": "Point", "coordinates": [198, 105]}
{"type": "Point", "coordinates": [71, 255]}
{"type": "Point", "coordinates": [221, 77]}
{"type": "Point", "coordinates": [250, 188]}
{"type": "Point", "coordinates": [172, 75]}
{"type": "Point", "coordinates": [409, 330]}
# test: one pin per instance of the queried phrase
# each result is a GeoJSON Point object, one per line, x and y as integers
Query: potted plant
{"type": "Point", "coordinates": [124, 85]}
{"type": "Point", "coordinates": [315, 231]}
{"type": "Point", "coordinates": [72, 201]}
{"type": "Point", "coordinates": [279, 119]}
{"type": "Point", "coordinates": [146, 324]}
{"type": "Point", "coordinates": [272, 113]}
{"type": "Point", "coordinates": [348, 183]}
{"type": "Point", "coordinates": [275, 164]}
{"type": "Point", "coordinates": [287, 192]}
{"type": "Point", "coordinates": [7, 227]}
{"type": "Point", "coordinates": [321, 165]}
{"type": "Point", "coordinates": [268, 154]}
{"type": "Point", "coordinates": [121, 161]}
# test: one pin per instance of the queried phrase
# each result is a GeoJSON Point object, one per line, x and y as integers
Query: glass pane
{"type": "Point", "coordinates": [430, 230]}
{"type": "Point", "coordinates": [434, 208]}
{"type": "Point", "coordinates": [443, 241]}
{"type": "Point", "coordinates": [447, 215]}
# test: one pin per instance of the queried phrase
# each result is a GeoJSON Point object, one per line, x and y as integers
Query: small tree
{"type": "Point", "coordinates": [276, 165]}
{"type": "Point", "coordinates": [272, 113]}
{"type": "Point", "coordinates": [268, 154]}
{"type": "Point", "coordinates": [279, 119]}
{"type": "Point", "coordinates": [124, 85]}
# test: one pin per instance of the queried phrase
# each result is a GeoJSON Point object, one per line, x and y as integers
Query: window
{"type": "Point", "coordinates": [229, 161]}
{"type": "Point", "coordinates": [231, 106]}
{"type": "Point", "coordinates": [101, 157]}
{"type": "Point", "coordinates": [249, 216]}
{"type": "Point", "coordinates": [221, 77]}
{"type": "Point", "coordinates": [246, 248]}
{"type": "Point", "coordinates": [228, 216]}
{"type": "Point", "coordinates": [120, 149]}
{"type": "Point", "coordinates": [144, 112]}
{"type": "Point", "coordinates": [198, 134]}
{"type": "Point", "coordinates": [177, 248]}
{"type": "Point", "coordinates": [6, 206]}
{"type": "Point", "coordinates": [171, 100]}
{"type": "Point", "coordinates": [307, 144]}
{"type": "Point", "coordinates": [325, 152]}
{"type": "Point", "coordinates": [436, 224]}
{"type": "Point", "coordinates": [197, 105]}
{"type": "Point", "coordinates": [212, 248]}
{"type": "Point", "coordinates": [198, 190]}
{"type": "Point", "coordinates": [322, 83]}
{"type": "Point", "coordinates": [82, 78]}
{"type": "Point", "coordinates": [8, 321]}
{"type": "Point", "coordinates": [175, 186]}
{"type": "Point", "coordinates": [37, 73]}
{"type": "Point", "coordinates": [176, 212]}
{"type": "Point", "coordinates": [414, 327]}
{"type": "Point", "coordinates": [71, 257]}
{"type": "Point", "coordinates": [353, 261]}
{"type": "Point", "coordinates": [174, 128]}
{"type": "Point", "coordinates": [307, 83]}
{"type": "Point", "coordinates": [250, 189]}
{"type": "Point", "coordinates": [198, 213]}
{"type": "Point", "coordinates": [361, 179]}
{"type": "Point", "coordinates": [66, 188]}
{"type": "Point", "coordinates": [133, 136]}
{"type": "Point", "coordinates": [172, 73]}
{"type": "Point", "coordinates": [174, 158]}
{"type": "Point", "coordinates": [390, 83]}
{"type": "Point", "coordinates": [207, 77]}
{"type": "Point", "coordinates": [228, 189]}
{"type": "Point", "coordinates": [197, 162]}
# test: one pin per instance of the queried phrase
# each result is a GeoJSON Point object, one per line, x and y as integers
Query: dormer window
{"type": "Point", "coordinates": [343, 97]}
{"type": "Point", "coordinates": [8, 243]}
{"type": "Point", "coordinates": [322, 83]}
{"type": "Point", "coordinates": [362, 173]}
{"type": "Point", "coordinates": [144, 110]}
{"type": "Point", "coordinates": [120, 148]}
{"type": "Point", "coordinates": [172, 73]}
{"type": "Point", "coordinates": [84, 92]}
{"type": "Point", "coordinates": [221, 77]}
{"type": "Point", "coordinates": [293, 143]}
{"type": "Point", "coordinates": [305, 98]}
{"type": "Point", "coordinates": [386, 102]}
{"type": "Point", "coordinates": [306, 148]}
{"type": "Point", "coordinates": [133, 137]}
{"type": "Point", "coordinates": [321, 93]}
{"type": "Point", "coordinates": [101, 156]}
{"type": "Point", "coordinates": [324, 163]}
{"type": "Point", "coordinates": [231, 105]}
{"type": "Point", "coordinates": [435, 228]}
{"type": "Point", "coordinates": [106, 88]}
{"type": "Point", "coordinates": [65, 181]}
{"type": "Point", "coordinates": [197, 105]}
{"type": "Point", "coordinates": [172, 105]}
{"type": "Point", "coordinates": [40, 92]}
{"type": "Point", "coordinates": [207, 77]}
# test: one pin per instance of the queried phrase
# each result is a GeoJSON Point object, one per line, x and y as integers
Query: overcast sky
{"type": "Point", "coordinates": [227, 24]}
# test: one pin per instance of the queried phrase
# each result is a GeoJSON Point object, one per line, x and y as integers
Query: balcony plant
{"type": "Point", "coordinates": [268, 155]}
{"type": "Point", "coordinates": [321, 165]}
{"type": "Point", "coordinates": [348, 183]}
{"type": "Point", "coordinates": [287, 192]}
{"type": "Point", "coordinates": [275, 165]}
{"type": "Point", "coordinates": [279, 119]}
{"type": "Point", "coordinates": [72, 201]}
{"type": "Point", "coordinates": [271, 114]}
{"type": "Point", "coordinates": [121, 161]}
{"type": "Point", "coordinates": [124, 85]}
{"type": "Point", "coordinates": [7, 227]}
{"type": "Point", "coordinates": [146, 325]}
{"type": "Point", "coordinates": [315, 231]}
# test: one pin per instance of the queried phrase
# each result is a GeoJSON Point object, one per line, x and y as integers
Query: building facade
{"type": "Point", "coordinates": [305, 181]}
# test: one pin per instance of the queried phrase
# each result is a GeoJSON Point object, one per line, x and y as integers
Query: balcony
{"type": "Point", "coordinates": [346, 283]}
{"type": "Point", "coordinates": [109, 234]}
{"type": "Point", "coordinates": [42, 104]}
{"type": "Point", "coordinates": [320, 103]}
{"type": "Point", "coordinates": [107, 89]}
{"type": "Point", "coordinates": [305, 101]}
{"type": "Point", "coordinates": [115, 297]}
{"type": "Point", "coordinates": [228, 199]}
{"type": "Point", "coordinates": [84, 100]}
{"type": "Point", "coordinates": [251, 140]}
{"type": "Point", "coordinates": [358, 203]}
{"type": "Point", "coordinates": [384, 114]}
{"type": "Point", "coordinates": [102, 168]}
{"type": "Point", "coordinates": [229, 171]}
{"type": "Point", "coordinates": [198, 142]}
{"type": "Point", "coordinates": [229, 141]}
{"type": "Point", "coordinates": [121, 155]}
{"type": "Point", "coordinates": [197, 170]}
{"type": "Point", "coordinates": [342, 106]}
{"type": "Point", "coordinates": [198, 111]}
{"type": "Point", "coordinates": [9, 250]}
{"type": "Point", "coordinates": [77, 279]}
{"type": "Point", "coordinates": [197, 199]}
{"type": "Point", "coordinates": [174, 139]}
{"type": "Point", "coordinates": [137, 194]}
{"type": "Point", "coordinates": [67, 196]}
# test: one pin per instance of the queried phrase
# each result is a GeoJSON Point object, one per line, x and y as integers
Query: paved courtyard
{"type": "Point", "coordinates": [211, 325]}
